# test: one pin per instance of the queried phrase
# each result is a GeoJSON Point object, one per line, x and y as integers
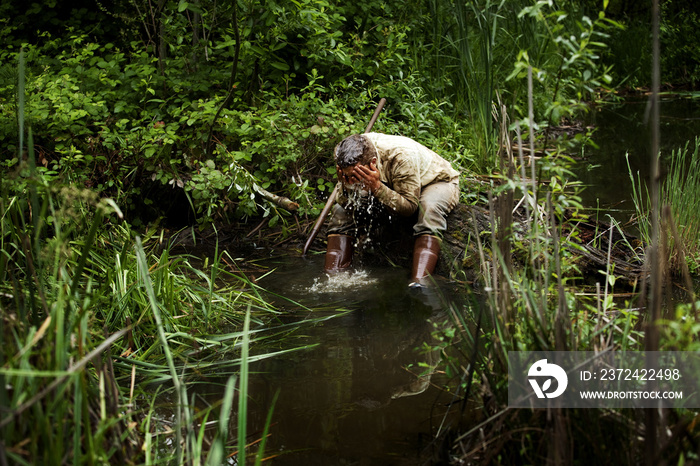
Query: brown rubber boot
{"type": "Point", "coordinates": [338, 253]}
{"type": "Point", "coordinates": [425, 256]}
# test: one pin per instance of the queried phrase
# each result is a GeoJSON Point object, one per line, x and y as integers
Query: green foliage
{"type": "Point", "coordinates": [630, 48]}
{"type": "Point", "coordinates": [682, 332]}
{"type": "Point", "coordinates": [275, 86]}
{"type": "Point", "coordinates": [82, 299]}
{"type": "Point", "coordinates": [567, 63]}
{"type": "Point", "coordinates": [630, 53]}
{"type": "Point", "coordinates": [679, 38]}
{"type": "Point", "coordinates": [679, 191]}
{"type": "Point", "coordinates": [478, 54]}
{"type": "Point", "coordinates": [110, 119]}
{"type": "Point", "coordinates": [133, 116]}
{"type": "Point", "coordinates": [127, 142]}
{"type": "Point", "coordinates": [79, 285]}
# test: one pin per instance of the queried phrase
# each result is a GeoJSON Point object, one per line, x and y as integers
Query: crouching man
{"type": "Point", "coordinates": [405, 177]}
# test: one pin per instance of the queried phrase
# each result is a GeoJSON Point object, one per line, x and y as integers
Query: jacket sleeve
{"type": "Point", "coordinates": [405, 189]}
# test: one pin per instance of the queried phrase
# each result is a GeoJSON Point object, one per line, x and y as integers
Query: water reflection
{"type": "Point", "coordinates": [365, 394]}
{"type": "Point", "coordinates": [623, 129]}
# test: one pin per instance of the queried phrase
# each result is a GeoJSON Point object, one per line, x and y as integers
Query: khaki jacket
{"type": "Point", "coordinates": [405, 167]}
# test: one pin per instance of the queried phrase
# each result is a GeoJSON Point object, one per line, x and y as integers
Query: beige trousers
{"type": "Point", "coordinates": [436, 201]}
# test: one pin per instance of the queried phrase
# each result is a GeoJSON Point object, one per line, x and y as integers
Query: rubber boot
{"type": "Point", "coordinates": [338, 253]}
{"type": "Point", "coordinates": [425, 256]}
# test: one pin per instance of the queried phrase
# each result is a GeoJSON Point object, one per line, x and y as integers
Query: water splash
{"type": "Point", "coordinates": [342, 282]}
{"type": "Point", "coordinates": [366, 211]}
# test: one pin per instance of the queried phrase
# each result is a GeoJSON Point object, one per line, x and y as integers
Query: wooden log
{"type": "Point", "coordinates": [280, 201]}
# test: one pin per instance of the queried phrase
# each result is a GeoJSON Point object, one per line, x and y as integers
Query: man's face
{"type": "Point", "coordinates": [347, 176]}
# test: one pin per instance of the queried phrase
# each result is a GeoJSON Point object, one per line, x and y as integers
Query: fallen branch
{"type": "Point", "coordinates": [280, 201]}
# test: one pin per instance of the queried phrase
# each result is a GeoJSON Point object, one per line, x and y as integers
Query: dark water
{"type": "Point", "coordinates": [365, 395]}
{"type": "Point", "coordinates": [623, 131]}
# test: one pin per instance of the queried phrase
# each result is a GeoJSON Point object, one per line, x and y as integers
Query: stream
{"type": "Point", "coordinates": [365, 394]}
{"type": "Point", "coordinates": [621, 130]}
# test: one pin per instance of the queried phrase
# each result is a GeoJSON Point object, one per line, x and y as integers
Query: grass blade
{"type": "Point", "coordinates": [146, 280]}
{"type": "Point", "coordinates": [243, 391]}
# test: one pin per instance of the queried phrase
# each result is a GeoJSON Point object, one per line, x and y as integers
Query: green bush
{"type": "Point", "coordinates": [102, 121]}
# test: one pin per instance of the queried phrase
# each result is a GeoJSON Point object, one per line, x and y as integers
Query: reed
{"type": "Point", "coordinates": [535, 307]}
{"type": "Point", "coordinates": [466, 55]}
{"type": "Point", "coordinates": [99, 298]}
{"type": "Point", "coordinates": [679, 190]}
{"type": "Point", "coordinates": [106, 331]}
{"type": "Point", "coordinates": [532, 304]}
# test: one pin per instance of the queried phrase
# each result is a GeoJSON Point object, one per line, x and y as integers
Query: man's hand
{"type": "Point", "coordinates": [368, 175]}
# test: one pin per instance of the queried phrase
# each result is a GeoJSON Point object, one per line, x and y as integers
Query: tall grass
{"type": "Point", "coordinates": [477, 55]}
{"type": "Point", "coordinates": [533, 302]}
{"type": "Point", "coordinates": [463, 61]}
{"type": "Point", "coordinates": [103, 341]}
{"type": "Point", "coordinates": [537, 305]}
{"type": "Point", "coordinates": [475, 69]}
{"type": "Point", "coordinates": [680, 191]}
{"type": "Point", "coordinates": [104, 332]}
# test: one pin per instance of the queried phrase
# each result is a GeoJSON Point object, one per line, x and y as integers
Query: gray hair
{"type": "Point", "coordinates": [353, 150]}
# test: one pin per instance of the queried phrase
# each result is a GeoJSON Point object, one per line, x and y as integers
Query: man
{"type": "Point", "coordinates": [405, 177]}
